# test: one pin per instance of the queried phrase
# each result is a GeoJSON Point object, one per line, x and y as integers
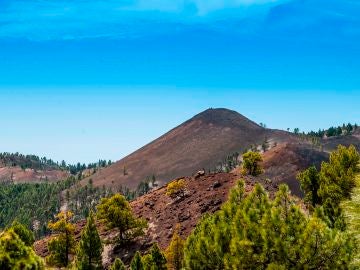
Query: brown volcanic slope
{"type": "Point", "coordinates": [201, 142]}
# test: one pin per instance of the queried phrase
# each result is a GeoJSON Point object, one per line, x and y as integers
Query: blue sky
{"type": "Point", "coordinates": [89, 79]}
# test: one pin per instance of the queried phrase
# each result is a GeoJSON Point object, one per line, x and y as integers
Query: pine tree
{"type": "Point", "coordinates": [175, 252]}
{"type": "Point", "coordinates": [136, 263]}
{"type": "Point", "coordinates": [310, 184]}
{"type": "Point", "coordinates": [337, 176]}
{"type": "Point", "coordinates": [155, 260]}
{"type": "Point", "coordinates": [90, 247]}
{"type": "Point", "coordinates": [117, 265]}
{"type": "Point", "coordinates": [63, 244]}
{"type": "Point", "coordinates": [117, 213]}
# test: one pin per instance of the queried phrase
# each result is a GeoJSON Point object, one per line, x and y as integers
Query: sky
{"type": "Point", "coordinates": [87, 79]}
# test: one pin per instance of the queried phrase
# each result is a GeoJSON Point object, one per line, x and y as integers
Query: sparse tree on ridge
{"type": "Point", "coordinates": [251, 163]}
{"type": "Point", "coordinates": [116, 212]}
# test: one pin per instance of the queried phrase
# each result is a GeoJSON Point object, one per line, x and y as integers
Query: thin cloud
{"type": "Point", "coordinates": [85, 18]}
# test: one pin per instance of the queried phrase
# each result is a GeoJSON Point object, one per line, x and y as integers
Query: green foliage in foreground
{"type": "Point", "coordinates": [16, 255]}
{"type": "Point", "coordinates": [24, 234]}
{"type": "Point", "coordinates": [175, 251]}
{"type": "Point", "coordinates": [255, 232]}
{"type": "Point", "coordinates": [136, 263]}
{"type": "Point", "coordinates": [352, 216]}
{"type": "Point", "coordinates": [326, 189]}
{"type": "Point", "coordinates": [154, 260]}
{"type": "Point", "coordinates": [337, 177]}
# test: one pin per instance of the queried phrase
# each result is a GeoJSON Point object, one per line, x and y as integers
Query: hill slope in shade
{"type": "Point", "coordinates": [201, 142]}
{"type": "Point", "coordinates": [283, 162]}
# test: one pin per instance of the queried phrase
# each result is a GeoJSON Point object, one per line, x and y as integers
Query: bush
{"type": "Point", "coordinates": [176, 188]}
{"type": "Point", "coordinates": [251, 164]}
{"type": "Point", "coordinates": [24, 233]}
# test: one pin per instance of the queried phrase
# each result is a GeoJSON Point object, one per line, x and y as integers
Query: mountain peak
{"type": "Point", "coordinates": [225, 117]}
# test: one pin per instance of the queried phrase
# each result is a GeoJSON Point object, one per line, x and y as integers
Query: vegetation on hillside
{"type": "Point", "coordinates": [42, 163]}
{"type": "Point", "coordinates": [116, 212]}
{"type": "Point", "coordinates": [27, 161]}
{"type": "Point", "coordinates": [31, 204]}
{"type": "Point", "coordinates": [35, 204]}
{"type": "Point", "coordinates": [345, 129]}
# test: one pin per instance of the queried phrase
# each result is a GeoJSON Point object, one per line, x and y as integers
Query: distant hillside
{"type": "Point", "coordinates": [15, 167]}
{"type": "Point", "coordinates": [27, 161]}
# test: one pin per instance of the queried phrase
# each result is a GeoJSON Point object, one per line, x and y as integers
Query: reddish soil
{"type": "Point", "coordinates": [18, 175]}
{"type": "Point", "coordinates": [203, 195]}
